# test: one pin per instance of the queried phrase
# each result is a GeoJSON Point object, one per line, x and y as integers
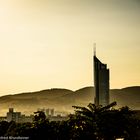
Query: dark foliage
{"type": "Point", "coordinates": [90, 123]}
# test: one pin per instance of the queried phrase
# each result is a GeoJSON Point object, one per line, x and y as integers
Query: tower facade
{"type": "Point", "coordinates": [101, 82]}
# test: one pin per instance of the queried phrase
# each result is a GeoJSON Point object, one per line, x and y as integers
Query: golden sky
{"type": "Point", "coordinates": [49, 43]}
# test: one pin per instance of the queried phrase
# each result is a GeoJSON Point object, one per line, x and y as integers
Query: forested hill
{"type": "Point", "coordinates": [64, 99]}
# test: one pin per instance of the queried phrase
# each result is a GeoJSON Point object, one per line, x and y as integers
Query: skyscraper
{"type": "Point", "coordinates": [101, 82]}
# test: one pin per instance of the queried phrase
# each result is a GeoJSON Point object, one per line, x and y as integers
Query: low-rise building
{"type": "Point", "coordinates": [18, 117]}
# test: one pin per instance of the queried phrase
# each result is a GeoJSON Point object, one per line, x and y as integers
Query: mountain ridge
{"type": "Point", "coordinates": [64, 99]}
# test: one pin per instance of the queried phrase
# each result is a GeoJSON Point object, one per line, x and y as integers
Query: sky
{"type": "Point", "coordinates": [49, 43]}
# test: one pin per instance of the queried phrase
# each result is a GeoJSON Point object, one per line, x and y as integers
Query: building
{"type": "Point", "coordinates": [13, 116]}
{"type": "Point", "coordinates": [101, 82]}
{"type": "Point", "coordinates": [53, 115]}
{"type": "Point", "coordinates": [18, 117]}
{"type": "Point", "coordinates": [48, 111]}
{"type": "Point", "coordinates": [52, 112]}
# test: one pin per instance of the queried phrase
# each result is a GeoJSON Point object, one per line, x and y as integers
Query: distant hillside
{"type": "Point", "coordinates": [63, 99]}
{"type": "Point", "coordinates": [129, 96]}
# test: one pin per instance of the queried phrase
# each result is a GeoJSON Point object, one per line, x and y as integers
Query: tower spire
{"type": "Point", "coordinates": [94, 48]}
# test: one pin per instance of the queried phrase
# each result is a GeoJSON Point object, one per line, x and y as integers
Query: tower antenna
{"type": "Point", "coordinates": [94, 48]}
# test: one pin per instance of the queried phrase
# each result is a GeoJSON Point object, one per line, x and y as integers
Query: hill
{"type": "Point", "coordinates": [63, 99]}
{"type": "Point", "coordinates": [129, 96]}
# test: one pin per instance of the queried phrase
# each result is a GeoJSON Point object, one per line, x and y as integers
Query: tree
{"type": "Point", "coordinates": [39, 117]}
{"type": "Point", "coordinates": [105, 123]}
{"type": "Point", "coordinates": [3, 127]}
{"type": "Point", "coordinates": [11, 131]}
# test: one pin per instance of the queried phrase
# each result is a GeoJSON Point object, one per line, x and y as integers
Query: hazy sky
{"type": "Point", "coordinates": [49, 43]}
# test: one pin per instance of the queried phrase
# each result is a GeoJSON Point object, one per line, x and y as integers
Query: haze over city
{"type": "Point", "coordinates": [49, 44]}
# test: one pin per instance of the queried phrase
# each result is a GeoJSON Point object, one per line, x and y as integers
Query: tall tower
{"type": "Point", "coordinates": [101, 82]}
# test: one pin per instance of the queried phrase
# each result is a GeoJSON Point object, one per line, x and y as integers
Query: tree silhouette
{"type": "Point", "coordinates": [89, 119]}
{"type": "Point", "coordinates": [106, 123]}
{"type": "Point", "coordinates": [3, 127]}
{"type": "Point", "coordinates": [90, 123]}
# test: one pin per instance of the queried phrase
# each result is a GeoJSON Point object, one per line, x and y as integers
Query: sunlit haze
{"type": "Point", "coordinates": [49, 43]}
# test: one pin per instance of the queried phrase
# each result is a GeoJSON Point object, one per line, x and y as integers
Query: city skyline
{"type": "Point", "coordinates": [48, 44]}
